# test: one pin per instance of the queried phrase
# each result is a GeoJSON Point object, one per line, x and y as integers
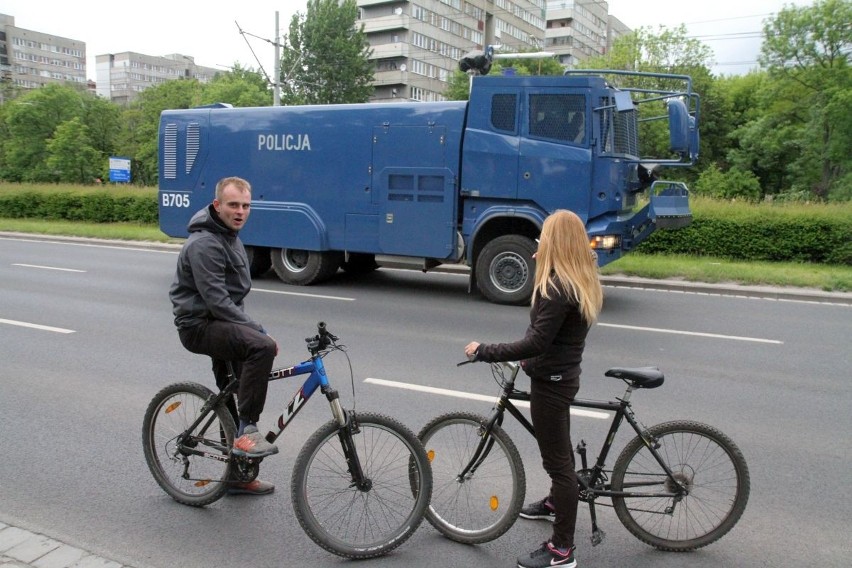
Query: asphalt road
{"type": "Point", "coordinates": [86, 340]}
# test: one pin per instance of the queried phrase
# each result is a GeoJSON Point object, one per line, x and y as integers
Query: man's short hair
{"type": "Point", "coordinates": [237, 182]}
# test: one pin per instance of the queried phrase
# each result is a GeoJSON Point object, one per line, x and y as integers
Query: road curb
{"type": "Point", "coordinates": [669, 285]}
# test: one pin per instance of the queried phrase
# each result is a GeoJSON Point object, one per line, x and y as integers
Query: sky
{"type": "Point", "coordinates": [208, 31]}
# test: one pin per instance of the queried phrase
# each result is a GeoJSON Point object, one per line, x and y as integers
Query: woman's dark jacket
{"type": "Point", "coordinates": [553, 343]}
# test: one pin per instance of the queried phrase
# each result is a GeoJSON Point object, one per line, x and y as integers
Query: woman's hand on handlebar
{"type": "Point", "coordinates": [471, 350]}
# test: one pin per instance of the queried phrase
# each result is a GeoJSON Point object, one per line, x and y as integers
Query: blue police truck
{"type": "Point", "coordinates": [358, 186]}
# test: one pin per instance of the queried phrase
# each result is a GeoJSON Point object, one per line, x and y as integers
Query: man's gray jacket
{"type": "Point", "coordinates": [212, 277]}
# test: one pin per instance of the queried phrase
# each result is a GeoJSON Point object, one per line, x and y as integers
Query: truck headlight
{"type": "Point", "coordinates": [605, 242]}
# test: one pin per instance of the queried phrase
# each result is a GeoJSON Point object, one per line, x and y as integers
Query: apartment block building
{"type": "Point", "coordinates": [30, 59]}
{"type": "Point", "coordinates": [417, 44]}
{"type": "Point", "coordinates": [580, 29]}
{"type": "Point", "coordinates": [120, 77]}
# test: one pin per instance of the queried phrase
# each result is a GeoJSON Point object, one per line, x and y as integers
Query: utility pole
{"type": "Point", "coordinates": [276, 83]}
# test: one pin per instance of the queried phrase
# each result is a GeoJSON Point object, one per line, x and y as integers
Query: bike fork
{"type": "Point", "coordinates": [597, 534]}
{"type": "Point", "coordinates": [348, 425]}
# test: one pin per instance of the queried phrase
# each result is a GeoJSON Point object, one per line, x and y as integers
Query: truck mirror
{"type": "Point", "coordinates": [623, 101]}
{"type": "Point", "coordinates": [679, 131]}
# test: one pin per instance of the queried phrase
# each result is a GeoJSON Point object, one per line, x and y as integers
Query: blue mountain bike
{"type": "Point", "coordinates": [360, 484]}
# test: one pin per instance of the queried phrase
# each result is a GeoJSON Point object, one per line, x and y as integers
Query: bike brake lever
{"type": "Point", "coordinates": [463, 363]}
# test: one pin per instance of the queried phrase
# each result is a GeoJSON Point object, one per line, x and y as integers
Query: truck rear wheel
{"type": "Point", "coordinates": [505, 269]}
{"type": "Point", "coordinates": [305, 267]}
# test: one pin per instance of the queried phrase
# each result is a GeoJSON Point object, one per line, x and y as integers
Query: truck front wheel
{"type": "Point", "coordinates": [305, 267]}
{"type": "Point", "coordinates": [505, 269]}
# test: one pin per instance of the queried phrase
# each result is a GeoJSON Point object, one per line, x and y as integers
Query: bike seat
{"type": "Point", "coordinates": [639, 377]}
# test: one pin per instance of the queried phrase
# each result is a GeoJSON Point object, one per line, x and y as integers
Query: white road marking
{"type": "Point", "coordinates": [48, 267]}
{"type": "Point", "coordinates": [36, 326]}
{"type": "Point", "coordinates": [473, 396]}
{"type": "Point", "coordinates": [695, 333]}
{"type": "Point", "coordinates": [320, 296]}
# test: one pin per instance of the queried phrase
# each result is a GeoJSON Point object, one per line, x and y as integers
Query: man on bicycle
{"type": "Point", "coordinates": [211, 282]}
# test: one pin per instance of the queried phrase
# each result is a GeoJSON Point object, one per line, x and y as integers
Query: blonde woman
{"type": "Point", "coordinates": [566, 300]}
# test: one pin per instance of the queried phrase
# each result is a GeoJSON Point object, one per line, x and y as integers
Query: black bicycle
{"type": "Point", "coordinates": [676, 486]}
{"type": "Point", "coordinates": [360, 485]}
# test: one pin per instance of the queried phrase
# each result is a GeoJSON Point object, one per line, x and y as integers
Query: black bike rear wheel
{"type": "Point", "coordinates": [483, 504]}
{"type": "Point", "coordinates": [702, 459]}
{"type": "Point", "coordinates": [369, 521]}
{"type": "Point", "coordinates": [191, 479]}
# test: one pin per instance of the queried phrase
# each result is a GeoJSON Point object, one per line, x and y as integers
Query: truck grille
{"type": "Point", "coordinates": [619, 130]}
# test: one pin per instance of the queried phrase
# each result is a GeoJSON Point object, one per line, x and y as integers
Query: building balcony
{"type": "Point", "coordinates": [385, 23]}
{"type": "Point", "coordinates": [390, 50]}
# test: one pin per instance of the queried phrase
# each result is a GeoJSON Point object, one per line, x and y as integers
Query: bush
{"type": "Point", "coordinates": [733, 184]}
{"type": "Point", "coordinates": [101, 205]}
{"type": "Point", "coordinates": [766, 232]}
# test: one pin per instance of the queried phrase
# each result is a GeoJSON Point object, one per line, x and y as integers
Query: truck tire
{"type": "Point", "coordinates": [505, 270]}
{"type": "Point", "coordinates": [305, 267]}
{"type": "Point", "coordinates": [259, 261]}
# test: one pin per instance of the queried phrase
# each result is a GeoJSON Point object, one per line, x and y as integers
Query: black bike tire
{"type": "Point", "coordinates": [377, 434]}
{"type": "Point", "coordinates": [446, 489]}
{"type": "Point", "coordinates": [691, 433]}
{"type": "Point", "coordinates": [218, 487]}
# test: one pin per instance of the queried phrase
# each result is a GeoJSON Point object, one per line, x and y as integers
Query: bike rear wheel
{"type": "Point", "coordinates": [191, 479]}
{"type": "Point", "coordinates": [485, 503]}
{"type": "Point", "coordinates": [703, 459]}
{"type": "Point", "coordinates": [355, 522]}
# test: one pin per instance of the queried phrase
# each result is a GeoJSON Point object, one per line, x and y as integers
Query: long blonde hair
{"type": "Point", "coordinates": [565, 257]}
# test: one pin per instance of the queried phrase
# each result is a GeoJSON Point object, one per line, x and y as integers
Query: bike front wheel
{"type": "Point", "coordinates": [704, 461]}
{"type": "Point", "coordinates": [367, 521]}
{"type": "Point", "coordinates": [193, 471]}
{"type": "Point", "coordinates": [475, 498]}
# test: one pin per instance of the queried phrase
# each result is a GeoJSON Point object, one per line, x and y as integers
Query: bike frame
{"type": "Point", "coordinates": [622, 410]}
{"type": "Point", "coordinates": [317, 379]}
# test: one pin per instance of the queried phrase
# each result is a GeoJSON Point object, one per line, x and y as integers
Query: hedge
{"type": "Point", "coordinates": [765, 232]}
{"type": "Point", "coordinates": [105, 206]}
{"type": "Point", "coordinates": [797, 232]}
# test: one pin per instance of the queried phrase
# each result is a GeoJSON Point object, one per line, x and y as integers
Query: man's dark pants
{"type": "Point", "coordinates": [251, 352]}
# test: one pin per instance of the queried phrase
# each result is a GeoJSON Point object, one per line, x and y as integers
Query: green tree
{"type": "Point", "coordinates": [240, 87]}
{"type": "Point", "coordinates": [670, 51]}
{"type": "Point", "coordinates": [31, 120]}
{"type": "Point", "coordinates": [71, 155]}
{"type": "Point", "coordinates": [326, 56]}
{"type": "Point", "coordinates": [807, 52]}
{"type": "Point", "coordinates": [102, 119]}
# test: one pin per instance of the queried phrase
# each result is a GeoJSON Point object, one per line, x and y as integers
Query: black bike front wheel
{"type": "Point", "coordinates": [705, 462]}
{"type": "Point", "coordinates": [472, 501]}
{"type": "Point", "coordinates": [366, 521]}
{"type": "Point", "coordinates": [193, 471]}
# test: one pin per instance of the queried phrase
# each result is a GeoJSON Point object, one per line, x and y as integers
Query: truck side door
{"type": "Point", "coordinates": [554, 168]}
{"type": "Point", "coordinates": [416, 191]}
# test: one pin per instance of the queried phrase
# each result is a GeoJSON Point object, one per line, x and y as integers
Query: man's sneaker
{"type": "Point", "coordinates": [255, 487]}
{"type": "Point", "coordinates": [252, 444]}
{"type": "Point", "coordinates": [548, 555]}
{"type": "Point", "coordinates": [539, 510]}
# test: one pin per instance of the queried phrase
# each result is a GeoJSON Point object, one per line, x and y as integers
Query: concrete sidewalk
{"type": "Point", "coordinates": [20, 548]}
